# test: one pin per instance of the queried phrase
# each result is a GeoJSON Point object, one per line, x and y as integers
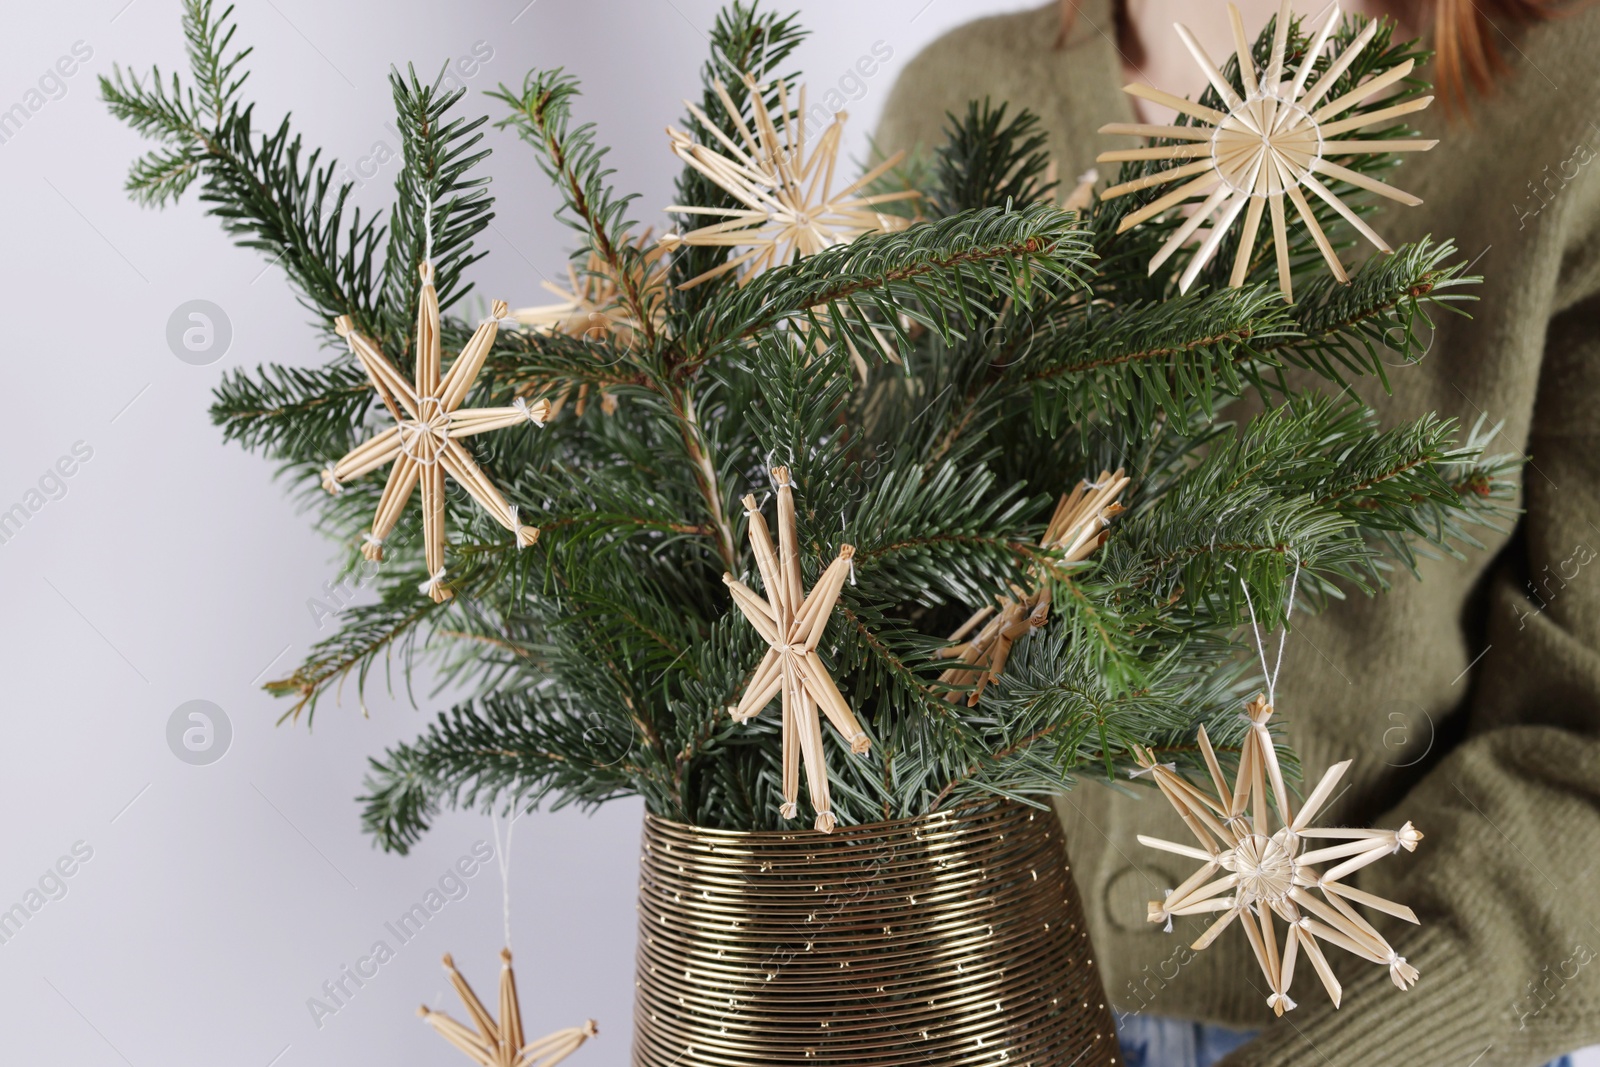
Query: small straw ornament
{"type": "Point", "coordinates": [500, 1044]}
{"type": "Point", "coordinates": [1266, 872]}
{"type": "Point", "coordinates": [788, 207]}
{"type": "Point", "coordinates": [424, 444]}
{"type": "Point", "coordinates": [792, 623]}
{"type": "Point", "coordinates": [590, 309]}
{"type": "Point", "coordinates": [1270, 143]}
{"type": "Point", "coordinates": [1077, 528]}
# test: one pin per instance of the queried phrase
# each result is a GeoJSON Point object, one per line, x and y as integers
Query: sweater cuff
{"type": "Point", "coordinates": [1440, 1020]}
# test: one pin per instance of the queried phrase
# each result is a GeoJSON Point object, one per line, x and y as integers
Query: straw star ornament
{"type": "Point", "coordinates": [1251, 872]}
{"type": "Point", "coordinates": [590, 306]}
{"type": "Point", "coordinates": [1273, 141]}
{"type": "Point", "coordinates": [789, 207]}
{"type": "Point", "coordinates": [424, 444]}
{"type": "Point", "coordinates": [792, 623]}
{"type": "Point", "coordinates": [500, 1044]}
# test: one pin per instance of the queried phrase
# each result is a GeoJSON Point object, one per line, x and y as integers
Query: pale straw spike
{"type": "Point", "coordinates": [458, 1035]}
{"type": "Point", "coordinates": [1291, 952]}
{"type": "Point", "coordinates": [1215, 929]}
{"type": "Point", "coordinates": [1372, 900]}
{"type": "Point", "coordinates": [1203, 61]}
{"type": "Point", "coordinates": [755, 610]}
{"type": "Point", "coordinates": [1241, 48]}
{"type": "Point", "coordinates": [1337, 937]}
{"type": "Point", "coordinates": [1205, 830]}
{"type": "Point", "coordinates": [1247, 919]}
{"type": "Point", "coordinates": [1193, 882]}
{"type": "Point", "coordinates": [480, 1015]}
{"type": "Point", "coordinates": [1349, 848]}
{"type": "Point", "coordinates": [1319, 796]}
{"type": "Point", "coordinates": [1362, 92]}
{"type": "Point", "coordinates": [552, 1049]}
{"type": "Point", "coordinates": [1355, 863]}
{"type": "Point", "coordinates": [501, 1044]}
{"type": "Point", "coordinates": [1219, 229]}
{"type": "Point", "coordinates": [766, 559]}
{"type": "Point", "coordinates": [1202, 907]}
{"type": "Point", "coordinates": [1318, 43]}
{"type": "Point", "coordinates": [469, 362]}
{"type": "Point", "coordinates": [967, 627]}
{"type": "Point", "coordinates": [1187, 230]}
{"type": "Point", "coordinates": [1175, 848]}
{"type": "Point", "coordinates": [764, 684]}
{"type": "Point", "coordinates": [1269, 942]}
{"type": "Point", "coordinates": [1209, 754]}
{"type": "Point", "coordinates": [1319, 962]}
{"type": "Point", "coordinates": [1356, 921]}
{"type": "Point", "coordinates": [1176, 904]}
{"type": "Point", "coordinates": [813, 616]}
{"type": "Point", "coordinates": [821, 689]}
{"type": "Point", "coordinates": [1280, 40]}
{"type": "Point", "coordinates": [1336, 69]}
{"type": "Point", "coordinates": [1367, 943]}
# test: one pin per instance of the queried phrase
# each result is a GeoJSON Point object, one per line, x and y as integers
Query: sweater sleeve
{"type": "Point", "coordinates": [1507, 882]}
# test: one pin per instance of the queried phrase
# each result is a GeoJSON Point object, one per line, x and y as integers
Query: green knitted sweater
{"type": "Point", "coordinates": [1470, 700]}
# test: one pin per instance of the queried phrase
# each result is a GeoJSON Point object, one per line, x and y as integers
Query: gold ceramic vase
{"type": "Point", "coordinates": [954, 938]}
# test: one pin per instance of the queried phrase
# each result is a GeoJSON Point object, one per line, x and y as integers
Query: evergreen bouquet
{"type": "Point", "coordinates": [983, 416]}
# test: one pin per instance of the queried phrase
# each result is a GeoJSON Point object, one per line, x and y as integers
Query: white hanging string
{"type": "Point", "coordinates": [1255, 627]}
{"type": "Point", "coordinates": [502, 856]}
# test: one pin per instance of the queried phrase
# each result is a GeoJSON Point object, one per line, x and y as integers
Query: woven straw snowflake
{"type": "Point", "coordinates": [792, 623]}
{"type": "Point", "coordinates": [424, 444]}
{"type": "Point", "coordinates": [1272, 142]}
{"type": "Point", "coordinates": [500, 1044]}
{"type": "Point", "coordinates": [1252, 872]}
{"type": "Point", "coordinates": [788, 207]}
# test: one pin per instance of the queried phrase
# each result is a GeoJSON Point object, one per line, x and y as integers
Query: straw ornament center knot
{"type": "Point", "coordinates": [424, 437]}
{"type": "Point", "coordinates": [1265, 867]}
{"type": "Point", "coordinates": [1265, 144]}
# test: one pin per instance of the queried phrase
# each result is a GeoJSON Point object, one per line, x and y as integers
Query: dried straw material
{"type": "Point", "coordinates": [424, 444]}
{"type": "Point", "coordinates": [949, 939]}
{"type": "Point", "coordinates": [1265, 872]}
{"type": "Point", "coordinates": [1271, 143]}
{"type": "Point", "coordinates": [590, 308]}
{"type": "Point", "coordinates": [789, 207]}
{"type": "Point", "coordinates": [1077, 528]}
{"type": "Point", "coordinates": [792, 623]}
{"type": "Point", "coordinates": [501, 1044]}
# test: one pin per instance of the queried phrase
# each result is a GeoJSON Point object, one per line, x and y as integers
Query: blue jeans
{"type": "Point", "coordinates": [1154, 1041]}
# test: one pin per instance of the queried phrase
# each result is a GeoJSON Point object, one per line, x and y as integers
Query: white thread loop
{"type": "Point", "coordinates": [373, 539]}
{"type": "Point", "coordinates": [526, 411]}
{"type": "Point", "coordinates": [1142, 771]}
{"type": "Point", "coordinates": [330, 481]}
{"type": "Point", "coordinates": [435, 580]}
{"type": "Point", "coordinates": [1281, 998]}
{"type": "Point", "coordinates": [502, 855]}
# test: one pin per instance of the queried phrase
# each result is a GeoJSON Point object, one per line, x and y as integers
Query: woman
{"type": "Point", "coordinates": [1471, 699]}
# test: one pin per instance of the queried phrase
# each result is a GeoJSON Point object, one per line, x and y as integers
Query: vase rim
{"type": "Point", "coordinates": [944, 816]}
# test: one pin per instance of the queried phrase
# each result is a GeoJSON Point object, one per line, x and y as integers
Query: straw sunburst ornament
{"type": "Point", "coordinates": [792, 623]}
{"type": "Point", "coordinates": [425, 442]}
{"type": "Point", "coordinates": [788, 203]}
{"type": "Point", "coordinates": [1251, 872]}
{"type": "Point", "coordinates": [500, 1044]}
{"type": "Point", "coordinates": [1272, 142]}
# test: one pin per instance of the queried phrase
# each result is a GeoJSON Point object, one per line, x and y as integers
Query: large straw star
{"type": "Point", "coordinates": [1266, 873]}
{"type": "Point", "coordinates": [788, 205]}
{"type": "Point", "coordinates": [425, 442]}
{"type": "Point", "coordinates": [1270, 143]}
{"type": "Point", "coordinates": [500, 1044]}
{"type": "Point", "coordinates": [792, 623]}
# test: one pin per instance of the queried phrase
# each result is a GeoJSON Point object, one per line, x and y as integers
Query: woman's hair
{"type": "Point", "coordinates": [1463, 37]}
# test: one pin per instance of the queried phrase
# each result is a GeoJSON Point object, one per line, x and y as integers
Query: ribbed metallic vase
{"type": "Point", "coordinates": [955, 938]}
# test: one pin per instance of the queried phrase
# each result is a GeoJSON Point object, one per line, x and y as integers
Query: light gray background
{"type": "Point", "coordinates": [219, 898]}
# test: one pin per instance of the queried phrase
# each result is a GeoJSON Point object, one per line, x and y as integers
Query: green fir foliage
{"type": "Point", "coordinates": [933, 391]}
